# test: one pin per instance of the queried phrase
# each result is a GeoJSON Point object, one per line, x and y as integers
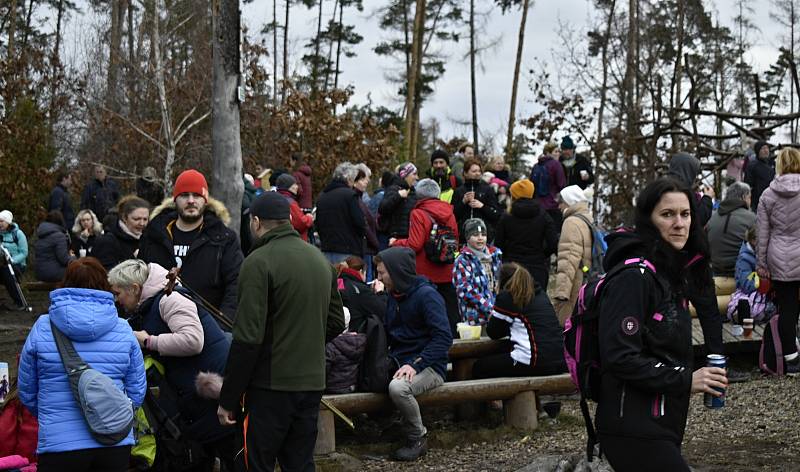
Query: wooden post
{"type": "Point", "coordinates": [462, 370]}
{"type": "Point", "coordinates": [520, 411]}
{"type": "Point", "coordinates": [326, 433]}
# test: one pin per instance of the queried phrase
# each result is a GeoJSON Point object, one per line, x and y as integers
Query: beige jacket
{"type": "Point", "coordinates": [574, 251]}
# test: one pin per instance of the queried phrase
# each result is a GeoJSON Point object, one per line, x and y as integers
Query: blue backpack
{"type": "Point", "coordinates": [107, 410]}
{"type": "Point", "coordinates": [540, 177]}
{"type": "Point", "coordinates": [599, 246]}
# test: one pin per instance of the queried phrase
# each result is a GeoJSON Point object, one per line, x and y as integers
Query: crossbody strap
{"type": "Point", "coordinates": [73, 363]}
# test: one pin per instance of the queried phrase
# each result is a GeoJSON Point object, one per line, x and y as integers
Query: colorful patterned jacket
{"type": "Point", "coordinates": [475, 296]}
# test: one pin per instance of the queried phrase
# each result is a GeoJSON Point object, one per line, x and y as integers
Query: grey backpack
{"type": "Point", "coordinates": [107, 410]}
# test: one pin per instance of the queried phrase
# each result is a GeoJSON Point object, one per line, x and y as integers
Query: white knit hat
{"type": "Point", "coordinates": [6, 216]}
{"type": "Point", "coordinates": [572, 195]}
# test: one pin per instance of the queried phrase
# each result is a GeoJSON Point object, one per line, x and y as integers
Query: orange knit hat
{"type": "Point", "coordinates": [522, 189]}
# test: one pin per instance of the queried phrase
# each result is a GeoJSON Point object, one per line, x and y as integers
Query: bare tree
{"type": "Point", "coordinates": [515, 81]}
{"type": "Point", "coordinates": [413, 94]}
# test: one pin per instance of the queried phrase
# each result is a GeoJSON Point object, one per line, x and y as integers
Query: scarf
{"type": "Point", "coordinates": [127, 230]}
{"type": "Point", "coordinates": [485, 258]}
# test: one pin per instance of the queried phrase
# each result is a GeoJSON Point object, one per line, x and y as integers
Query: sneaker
{"type": "Point", "coordinates": [792, 367]}
{"type": "Point", "coordinates": [413, 450]}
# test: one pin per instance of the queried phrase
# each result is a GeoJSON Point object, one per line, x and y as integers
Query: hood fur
{"type": "Point", "coordinates": [213, 205]}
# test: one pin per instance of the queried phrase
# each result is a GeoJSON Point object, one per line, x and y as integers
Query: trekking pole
{"type": "Point", "coordinates": [173, 277]}
{"type": "Point", "coordinates": [338, 413]}
{"type": "Point", "coordinates": [17, 286]}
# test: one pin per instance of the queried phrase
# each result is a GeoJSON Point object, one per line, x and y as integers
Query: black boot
{"type": "Point", "coordinates": [792, 367]}
{"type": "Point", "coordinates": [413, 450]}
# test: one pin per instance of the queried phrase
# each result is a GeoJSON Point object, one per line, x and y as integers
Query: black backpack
{"type": "Point", "coordinates": [375, 370]}
{"type": "Point", "coordinates": [442, 244]}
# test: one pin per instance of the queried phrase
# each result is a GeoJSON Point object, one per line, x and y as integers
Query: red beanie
{"type": "Point", "coordinates": [190, 181]}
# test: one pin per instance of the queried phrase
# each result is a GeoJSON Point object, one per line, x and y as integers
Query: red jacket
{"type": "Point", "coordinates": [305, 193]}
{"type": "Point", "coordinates": [419, 229]}
{"type": "Point", "coordinates": [300, 221]}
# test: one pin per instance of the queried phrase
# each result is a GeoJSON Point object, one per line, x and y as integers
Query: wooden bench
{"type": "Point", "coordinates": [518, 395]}
{"type": "Point", "coordinates": [40, 286]}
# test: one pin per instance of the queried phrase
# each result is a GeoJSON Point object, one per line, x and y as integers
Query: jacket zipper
{"type": "Point", "coordinates": [658, 406]}
{"type": "Point", "coordinates": [622, 401]}
{"type": "Point", "coordinates": [219, 262]}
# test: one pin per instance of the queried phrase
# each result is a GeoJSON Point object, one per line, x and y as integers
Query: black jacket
{"type": "Point", "coordinates": [758, 175]}
{"type": "Point", "coordinates": [114, 246]}
{"type": "Point", "coordinates": [340, 221]}
{"type": "Point", "coordinates": [542, 336]}
{"type": "Point", "coordinates": [343, 356]}
{"type": "Point", "coordinates": [527, 236]}
{"type": "Point", "coordinates": [100, 197]}
{"type": "Point", "coordinates": [490, 213]}
{"type": "Point", "coordinates": [211, 266]}
{"type": "Point", "coordinates": [51, 251]}
{"type": "Point", "coordinates": [59, 200]}
{"type": "Point", "coordinates": [645, 337]}
{"type": "Point", "coordinates": [573, 174]}
{"type": "Point", "coordinates": [77, 243]}
{"type": "Point", "coordinates": [394, 211]}
{"type": "Point", "coordinates": [151, 192]}
{"type": "Point", "coordinates": [359, 298]}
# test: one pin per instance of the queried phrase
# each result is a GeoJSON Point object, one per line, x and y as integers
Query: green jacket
{"type": "Point", "coordinates": [289, 307]}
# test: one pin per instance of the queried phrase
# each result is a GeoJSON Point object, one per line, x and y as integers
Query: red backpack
{"type": "Point", "coordinates": [19, 430]}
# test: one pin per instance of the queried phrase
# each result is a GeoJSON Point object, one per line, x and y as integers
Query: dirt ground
{"type": "Point", "coordinates": [756, 431]}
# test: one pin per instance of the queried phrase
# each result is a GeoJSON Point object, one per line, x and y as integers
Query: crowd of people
{"type": "Point", "coordinates": [241, 341]}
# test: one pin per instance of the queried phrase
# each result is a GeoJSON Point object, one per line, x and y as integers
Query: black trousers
{"type": "Point", "coordinates": [448, 292]}
{"type": "Point", "coordinates": [787, 299]}
{"type": "Point", "coordinates": [280, 426]}
{"type": "Point", "coordinates": [101, 459]}
{"type": "Point", "coordinates": [502, 365]}
{"type": "Point", "coordinates": [10, 282]}
{"type": "Point", "coordinates": [634, 454]}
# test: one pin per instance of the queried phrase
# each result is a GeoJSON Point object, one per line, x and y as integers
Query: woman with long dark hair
{"type": "Point", "coordinates": [645, 333]}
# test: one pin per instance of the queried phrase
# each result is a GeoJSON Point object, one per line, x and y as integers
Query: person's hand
{"type": "Point", "coordinates": [226, 418]}
{"type": "Point", "coordinates": [377, 286]}
{"type": "Point", "coordinates": [391, 241]}
{"type": "Point", "coordinates": [403, 193]}
{"type": "Point", "coordinates": [406, 372]}
{"type": "Point", "coordinates": [85, 232]}
{"type": "Point", "coordinates": [476, 203]}
{"type": "Point", "coordinates": [141, 336]}
{"type": "Point", "coordinates": [762, 272]}
{"type": "Point", "coordinates": [468, 197]}
{"type": "Point", "coordinates": [705, 379]}
{"type": "Point", "coordinates": [709, 191]}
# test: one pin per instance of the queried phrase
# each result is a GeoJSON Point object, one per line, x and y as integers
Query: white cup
{"type": "Point", "coordinates": [82, 252]}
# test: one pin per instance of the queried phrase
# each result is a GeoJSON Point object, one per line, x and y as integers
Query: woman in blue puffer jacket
{"type": "Point", "coordinates": [84, 310]}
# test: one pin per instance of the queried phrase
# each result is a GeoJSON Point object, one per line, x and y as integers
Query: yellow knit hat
{"type": "Point", "coordinates": [522, 189]}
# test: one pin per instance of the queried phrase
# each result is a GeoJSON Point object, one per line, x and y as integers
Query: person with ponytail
{"type": "Point", "coordinates": [358, 297]}
{"type": "Point", "coordinates": [523, 313]}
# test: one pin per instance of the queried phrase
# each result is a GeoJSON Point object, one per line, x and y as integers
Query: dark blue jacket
{"type": "Point", "coordinates": [416, 321]}
{"type": "Point", "coordinates": [100, 197]}
{"type": "Point", "coordinates": [745, 265]}
{"type": "Point", "coordinates": [59, 200]}
{"type": "Point", "coordinates": [52, 252]}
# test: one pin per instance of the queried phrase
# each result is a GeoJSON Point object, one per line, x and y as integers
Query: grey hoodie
{"type": "Point", "coordinates": [401, 264]}
{"type": "Point", "coordinates": [685, 168]}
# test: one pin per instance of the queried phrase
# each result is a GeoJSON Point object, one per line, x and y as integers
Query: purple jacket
{"type": "Point", "coordinates": [558, 181]}
{"type": "Point", "coordinates": [778, 223]}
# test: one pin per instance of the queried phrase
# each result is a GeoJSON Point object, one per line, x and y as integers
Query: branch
{"type": "Point", "coordinates": [723, 114]}
{"type": "Point", "coordinates": [133, 125]}
{"type": "Point", "coordinates": [190, 126]}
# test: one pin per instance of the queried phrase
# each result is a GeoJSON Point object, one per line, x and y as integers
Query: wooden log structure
{"type": "Point", "coordinates": [518, 394]}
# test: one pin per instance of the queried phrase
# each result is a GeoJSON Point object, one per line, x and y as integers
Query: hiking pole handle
{"type": "Point", "coordinates": [221, 317]}
{"type": "Point", "coordinates": [338, 413]}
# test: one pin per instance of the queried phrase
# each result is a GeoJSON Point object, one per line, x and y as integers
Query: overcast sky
{"type": "Point", "coordinates": [450, 101]}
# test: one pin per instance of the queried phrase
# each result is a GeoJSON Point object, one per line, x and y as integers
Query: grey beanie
{"type": "Point", "coordinates": [284, 181]}
{"type": "Point", "coordinates": [427, 188]}
{"type": "Point", "coordinates": [473, 226]}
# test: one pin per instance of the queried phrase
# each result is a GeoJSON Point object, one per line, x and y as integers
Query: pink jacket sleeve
{"type": "Point", "coordinates": [763, 229]}
{"type": "Point", "coordinates": [186, 336]}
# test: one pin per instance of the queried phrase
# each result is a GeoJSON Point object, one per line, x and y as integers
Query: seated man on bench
{"type": "Point", "coordinates": [419, 337]}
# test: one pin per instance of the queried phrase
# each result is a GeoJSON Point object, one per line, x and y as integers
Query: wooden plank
{"type": "Point", "coordinates": [473, 348]}
{"type": "Point", "coordinates": [456, 392]}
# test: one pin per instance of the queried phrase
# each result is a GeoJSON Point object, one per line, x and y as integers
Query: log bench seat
{"type": "Point", "coordinates": [40, 286]}
{"type": "Point", "coordinates": [518, 395]}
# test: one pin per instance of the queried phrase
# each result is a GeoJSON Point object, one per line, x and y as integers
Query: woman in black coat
{"type": "Point", "coordinates": [121, 241]}
{"type": "Point", "coordinates": [51, 249]}
{"type": "Point", "coordinates": [527, 235]}
{"type": "Point", "coordinates": [85, 232]}
{"type": "Point", "coordinates": [523, 313]}
{"type": "Point", "coordinates": [476, 199]}
{"type": "Point", "coordinates": [358, 297]}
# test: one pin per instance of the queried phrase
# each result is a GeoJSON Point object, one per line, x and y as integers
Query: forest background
{"type": "Point", "coordinates": [172, 84]}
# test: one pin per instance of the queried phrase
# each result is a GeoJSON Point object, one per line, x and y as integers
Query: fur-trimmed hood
{"type": "Point", "coordinates": [212, 205]}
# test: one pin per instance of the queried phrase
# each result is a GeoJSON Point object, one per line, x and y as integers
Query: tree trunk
{"type": "Point", "coordinates": [407, 50]}
{"type": "Point", "coordinates": [160, 83]}
{"type": "Point", "coordinates": [330, 46]}
{"type": "Point", "coordinates": [274, 52]}
{"type": "Point", "coordinates": [57, 46]}
{"type": "Point", "coordinates": [226, 146]}
{"type": "Point", "coordinates": [338, 49]}
{"type": "Point", "coordinates": [115, 46]}
{"type": "Point", "coordinates": [599, 147]}
{"type": "Point", "coordinates": [285, 51]}
{"type": "Point", "coordinates": [473, 98]}
{"type": "Point", "coordinates": [678, 74]}
{"type": "Point", "coordinates": [412, 102]}
{"type": "Point", "coordinates": [630, 73]}
{"type": "Point", "coordinates": [28, 19]}
{"type": "Point", "coordinates": [12, 28]}
{"type": "Point", "coordinates": [315, 65]}
{"type": "Point", "coordinates": [515, 81]}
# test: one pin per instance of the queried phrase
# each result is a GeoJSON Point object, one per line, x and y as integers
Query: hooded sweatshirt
{"type": "Point", "coordinates": [778, 223]}
{"type": "Point", "coordinates": [726, 230]}
{"type": "Point", "coordinates": [417, 326]}
{"type": "Point", "coordinates": [685, 168]}
{"type": "Point", "coordinates": [52, 252]}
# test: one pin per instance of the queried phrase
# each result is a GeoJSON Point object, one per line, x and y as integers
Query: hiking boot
{"type": "Point", "coordinates": [413, 450]}
{"type": "Point", "coordinates": [792, 367]}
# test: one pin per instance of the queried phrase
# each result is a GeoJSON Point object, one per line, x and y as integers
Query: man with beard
{"type": "Point", "coordinates": [191, 230]}
{"type": "Point", "coordinates": [441, 173]}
